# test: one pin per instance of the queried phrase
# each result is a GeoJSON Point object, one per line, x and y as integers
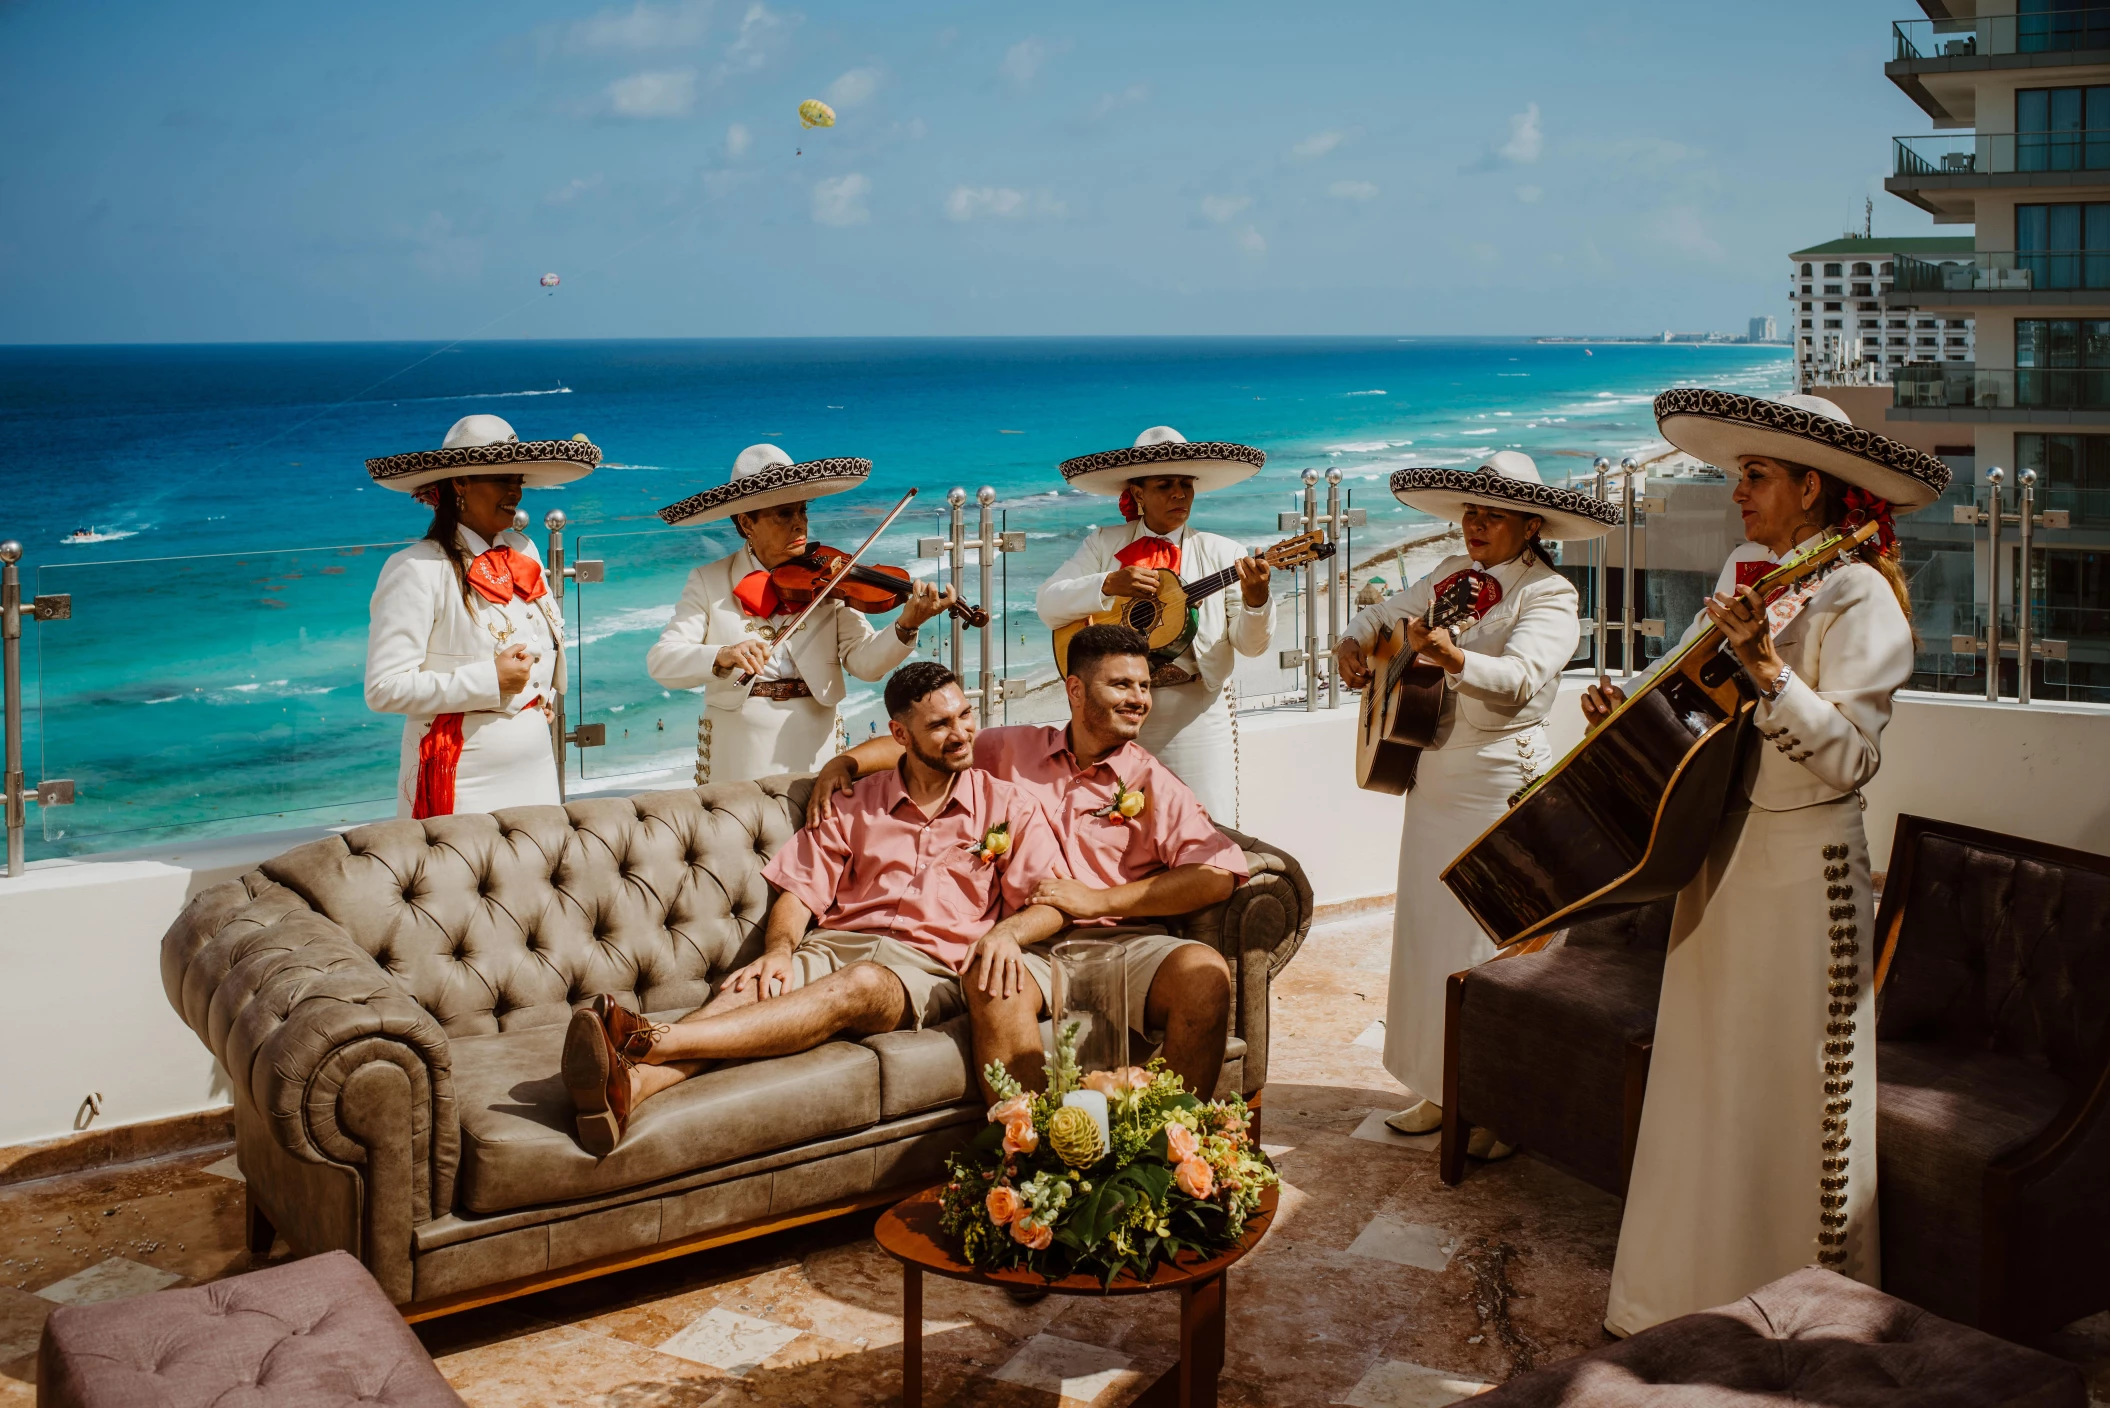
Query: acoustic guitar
{"type": "Point", "coordinates": [1169, 619]}
{"type": "Point", "coordinates": [1630, 813]}
{"type": "Point", "coordinates": [1403, 703]}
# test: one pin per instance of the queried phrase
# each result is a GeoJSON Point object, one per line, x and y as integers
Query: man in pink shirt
{"type": "Point", "coordinates": [922, 883]}
{"type": "Point", "coordinates": [1159, 855]}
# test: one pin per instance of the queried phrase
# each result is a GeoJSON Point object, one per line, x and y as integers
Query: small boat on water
{"type": "Point", "coordinates": [91, 535]}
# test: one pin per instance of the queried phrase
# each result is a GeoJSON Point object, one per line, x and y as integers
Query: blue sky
{"type": "Point", "coordinates": [275, 171]}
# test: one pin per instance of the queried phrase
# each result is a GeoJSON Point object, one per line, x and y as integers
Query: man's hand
{"type": "Point", "coordinates": [770, 974]}
{"type": "Point", "coordinates": [838, 775]}
{"type": "Point", "coordinates": [748, 655]}
{"type": "Point", "coordinates": [1003, 969]}
{"type": "Point", "coordinates": [1354, 666]}
{"type": "Point", "coordinates": [1438, 648]}
{"type": "Point", "coordinates": [1130, 582]}
{"type": "Point", "coordinates": [1599, 700]}
{"type": "Point", "coordinates": [1253, 574]}
{"type": "Point", "coordinates": [925, 600]}
{"type": "Point", "coordinates": [1072, 897]}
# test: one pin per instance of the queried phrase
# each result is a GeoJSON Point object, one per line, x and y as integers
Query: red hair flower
{"type": "Point", "coordinates": [1864, 507]}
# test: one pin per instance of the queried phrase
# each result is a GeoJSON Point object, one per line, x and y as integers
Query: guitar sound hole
{"type": "Point", "coordinates": [1144, 616]}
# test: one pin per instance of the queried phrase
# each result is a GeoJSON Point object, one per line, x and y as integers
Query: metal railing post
{"type": "Point", "coordinates": [11, 687]}
{"type": "Point", "coordinates": [1333, 583]}
{"type": "Point", "coordinates": [1994, 511]}
{"type": "Point", "coordinates": [2026, 483]}
{"type": "Point", "coordinates": [957, 499]}
{"type": "Point", "coordinates": [1311, 600]}
{"type": "Point", "coordinates": [985, 549]}
{"type": "Point", "coordinates": [1600, 556]}
{"type": "Point", "coordinates": [1628, 468]}
{"type": "Point", "coordinates": [558, 573]}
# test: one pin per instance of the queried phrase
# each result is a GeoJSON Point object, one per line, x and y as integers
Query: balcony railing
{"type": "Point", "coordinates": [1954, 387]}
{"type": "Point", "coordinates": [1967, 37]}
{"type": "Point", "coordinates": [1999, 153]}
{"type": "Point", "coordinates": [2006, 271]}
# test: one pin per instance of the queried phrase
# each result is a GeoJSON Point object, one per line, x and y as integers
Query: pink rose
{"type": "Point", "coordinates": [1019, 1135]}
{"type": "Point", "coordinates": [1195, 1178]}
{"type": "Point", "coordinates": [1181, 1144]}
{"type": "Point", "coordinates": [1107, 1083]}
{"type": "Point", "coordinates": [1011, 1109]}
{"type": "Point", "coordinates": [1004, 1204]}
{"type": "Point", "coordinates": [1034, 1236]}
{"type": "Point", "coordinates": [1137, 1077]}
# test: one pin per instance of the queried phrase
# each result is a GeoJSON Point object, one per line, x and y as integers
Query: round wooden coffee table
{"type": "Point", "coordinates": [909, 1233]}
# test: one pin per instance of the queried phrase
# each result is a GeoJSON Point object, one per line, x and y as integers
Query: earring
{"type": "Point", "coordinates": [460, 501]}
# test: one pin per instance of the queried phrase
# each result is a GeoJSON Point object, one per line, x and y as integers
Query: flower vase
{"type": "Point", "coordinates": [1090, 1002]}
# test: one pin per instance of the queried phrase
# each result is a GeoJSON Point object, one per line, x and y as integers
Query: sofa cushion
{"type": "Point", "coordinates": [519, 1146]}
{"type": "Point", "coordinates": [1813, 1337]}
{"type": "Point", "coordinates": [1943, 1113]}
{"type": "Point", "coordinates": [315, 1333]}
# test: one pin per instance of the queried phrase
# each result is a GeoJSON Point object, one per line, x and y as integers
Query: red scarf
{"type": "Point", "coordinates": [498, 576]}
{"type": "Point", "coordinates": [502, 575]}
{"type": "Point", "coordinates": [1152, 552]}
{"type": "Point", "coordinates": [757, 595]}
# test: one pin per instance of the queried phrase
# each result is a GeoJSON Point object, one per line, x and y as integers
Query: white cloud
{"type": "Point", "coordinates": [1317, 145]}
{"type": "Point", "coordinates": [737, 140]}
{"type": "Point", "coordinates": [1252, 241]}
{"type": "Point", "coordinates": [643, 26]}
{"type": "Point", "coordinates": [1682, 228]}
{"type": "Point", "coordinates": [840, 200]}
{"type": "Point", "coordinates": [659, 93]}
{"type": "Point", "coordinates": [1001, 203]}
{"type": "Point", "coordinates": [1110, 103]}
{"type": "Point", "coordinates": [1353, 190]}
{"type": "Point", "coordinates": [1223, 209]}
{"type": "Point", "coordinates": [856, 86]}
{"type": "Point", "coordinates": [572, 189]}
{"type": "Point", "coordinates": [1526, 141]}
{"type": "Point", "coordinates": [759, 26]}
{"type": "Point", "coordinates": [1022, 61]}
{"type": "Point", "coordinates": [1529, 194]}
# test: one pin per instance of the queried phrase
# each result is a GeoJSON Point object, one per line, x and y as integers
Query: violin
{"type": "Point", "coordinates": [867, 588]}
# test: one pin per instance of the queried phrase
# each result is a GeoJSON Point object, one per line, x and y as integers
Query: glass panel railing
{"type": "Point", "coordinates": [1960, 386]}
{"type": "Point", "coordinates": [207, 695]}
{"type": "Point", "coordinates": [2007, 271]}
{"type": "Point", "coordinates": [1964, 37]}
{"type": "Point", "coordinates": [1999, 153]}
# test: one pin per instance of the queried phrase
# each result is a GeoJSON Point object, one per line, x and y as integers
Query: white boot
{"type": "Point", "coordinates": [1418, 1118]}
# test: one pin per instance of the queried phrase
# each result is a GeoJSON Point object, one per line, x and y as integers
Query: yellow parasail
{"type": "Point", "coordinates": [815, 113]}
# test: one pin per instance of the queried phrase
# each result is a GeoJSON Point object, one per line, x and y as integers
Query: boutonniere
{"type": "Point", "coordinates": [995, 842]}
{"type": "Point", "coordinates": [1128, 802]}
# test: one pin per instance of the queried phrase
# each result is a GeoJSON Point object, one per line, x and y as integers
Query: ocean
{"type": "Point", "coordinates": [209, 679]}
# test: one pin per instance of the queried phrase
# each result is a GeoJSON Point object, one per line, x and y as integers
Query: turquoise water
{"type": "Point", "coordinates": [209, 680]}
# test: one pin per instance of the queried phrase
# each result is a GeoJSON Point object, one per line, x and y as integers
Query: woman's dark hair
{"type": "Point", "coordinates": [1535, 548]}
{"type": "Point", "coordinates": [446, 519]}
{"type": "Point", "coordinates": [1832, 511]}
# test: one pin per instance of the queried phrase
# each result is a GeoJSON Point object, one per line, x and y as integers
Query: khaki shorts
{"type": "Point", "coordinates": [933, 989]}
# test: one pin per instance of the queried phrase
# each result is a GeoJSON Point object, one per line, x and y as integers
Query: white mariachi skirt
{"type": "Point", "coordinates": [506, 762]}
{"type": "Point", "coordinates": [763, 738]}
{"type": "Point", "coordinates": [1189, 731]}
{"type": "Point", "coordinates": [1459, 791]}
{"type": "Point", "coordinates": [1755, 1156]}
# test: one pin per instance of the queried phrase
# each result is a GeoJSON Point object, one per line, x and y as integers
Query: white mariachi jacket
{"type": "Point", "coordinates": [430, 652]}
{"type": "Point", "coordinates": [708, 618]}
{"type": "Point", "coordinates": [1851, 651]}
{"type": "Point", "coordinates": [1223, 623]}
{"type": "Point", "coordinates": [1513, 656]}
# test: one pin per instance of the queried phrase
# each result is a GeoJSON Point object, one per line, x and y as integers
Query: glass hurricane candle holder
{"type": "Point", "coordinates": [1090, 1001]}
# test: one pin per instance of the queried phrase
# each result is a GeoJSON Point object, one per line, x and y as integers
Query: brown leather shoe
{"type": "Point", "coordinates": [598, 1076]}
{"type": "Point", "coordinates": [628, 1033]}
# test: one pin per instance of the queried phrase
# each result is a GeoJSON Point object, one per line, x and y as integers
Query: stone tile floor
{"type": "Point", "coordinates": [1378, 1287]}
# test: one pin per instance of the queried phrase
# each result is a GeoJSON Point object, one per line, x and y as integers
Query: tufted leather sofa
{"type": "Point", "coordinates": [1993, 1077]}
{"type": "Point", "coordinates": [390, 1005]}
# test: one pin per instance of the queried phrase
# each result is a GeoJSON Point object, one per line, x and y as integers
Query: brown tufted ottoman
{"type": "Point", "coordinates": [1813, 1337]}
{"type": "Point", "coordinates": [314, 1333]}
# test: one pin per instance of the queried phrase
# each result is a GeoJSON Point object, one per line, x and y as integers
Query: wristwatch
{"type": "Point", "coordinates": [1780, 686]}
{"type": "Point", "coordinates": [906, 635]}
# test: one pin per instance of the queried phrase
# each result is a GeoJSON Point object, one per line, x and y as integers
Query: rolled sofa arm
{"type": "Point", "coordinates": [1257, 930]}
{"type": "Point", "coordinates": [332, 1062]}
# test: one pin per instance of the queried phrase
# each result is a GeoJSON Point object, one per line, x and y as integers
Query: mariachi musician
{"type": "Point", "coordinates": [1501, 676]}
{"type": "Point", "coordinates": [1156, 479]}
{"type": "Point", "coordinates": [1755, 1156]}
{"type": "Point", "coordinates": [770, 703]}
{"type": "Point", "coordinates": [465, 640]}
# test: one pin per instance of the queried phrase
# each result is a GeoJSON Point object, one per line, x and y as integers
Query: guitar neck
{"type": "Point", "coordinates": [1202, 588]}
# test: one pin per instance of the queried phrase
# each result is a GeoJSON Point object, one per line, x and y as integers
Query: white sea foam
{"type": "Point", "coordinates": [1364, 447]}
{"type": "Point", "coordinates": [486, 395]}
{"type": "Point", "coordinates": [98, 535]}
{"type": "Point", "coordinates": [617, 623]}
{"type": "Point", "coordinates": [1379, 392]}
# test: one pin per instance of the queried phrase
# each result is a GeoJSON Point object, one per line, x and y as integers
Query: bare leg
{"type": "Point", "coordinates": [1006, 1029]}
{"type": "Point", "coordinates": [1190, 1001]}
{"type": "Point", "coordinates": [863, 998]}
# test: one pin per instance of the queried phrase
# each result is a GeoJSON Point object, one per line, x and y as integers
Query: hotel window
{"type": "Point", "coordinates": [1897, 323]}
{"type": "Point", "coordinates": [1805, 324]}
{"type": "Point", "coordinates": [2062, 362]}
{"type": "Point", "coordinates": [1899, 341]}
{"type": "Point", "coordinates": [1805, 290]}
{"type": "Point", "coordinates": [1862, 271]}
{"type": "Point", "coordinates": [1927, 342]}
{"type": "Point", "coordinates": [2075, 470]}
{"type": "Point", "coordinates": [1864, 307]}
{"type": "Point", "coordinates": [1926, 323]}
{"type": "Point", "coordinates": [1869, 323]}
{"type": "Point", "coordinates": [1959, 322]}
{"type": "Point", "coordinates": [1835, 289]}
{"type": "Point", "coordinates": [2064, 246]}
{"type": "Point", "coordinates": [1805, 271]}
{"type": "Point", "coordinates": [2062, 129]}
{"type": "Point", "coordinates": [1863, 291]}
{"type": "Point", "coordinates": [2046, 26]}
{"type": "Point", "coordinates": [1833, 271]}
{"type": "Point", "coordinates": [1807, 309]}
{"type": "Point", "coordinates": [1833, 323]}
{"type": "Point", "coordinates": [1885, 270]}
{"type": "Point", "coordinates": [1831, 307]}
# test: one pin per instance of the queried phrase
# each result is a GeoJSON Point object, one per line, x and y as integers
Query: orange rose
{"type": "Point", "coordinates": [1019, 1135]}
{"type": "Point", "coordinates": [1004, 1204]}
{"type": "Point", "coordinates": [1181, 1144]}
{"type": "Point", "coordinates": [1009, 1110]}
{"type": "Point", "coordinates": [1107, 1083]}
{"type": "Point", "coordinates": [1138, 1078]}
{"type": "Point", "coordinates": [1195, 1178]}
{"type": "Point", "coordinates": [1034, 1236]}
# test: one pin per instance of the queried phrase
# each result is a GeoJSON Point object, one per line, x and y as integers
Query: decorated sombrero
{"type": "Point", "coordinates": [764, 477]}
{"type": "Point", "coordinates": [1211, 464]}
{"type": "Point", "coordinates": [1720, 427]}
{"type": "Point", "coordinates": [487, 445]}
{"type": "Point", "coordinates": [1508, 480]}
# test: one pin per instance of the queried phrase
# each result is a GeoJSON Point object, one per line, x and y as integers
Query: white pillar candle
{"type": "Point", "coordinates": [1094, 1104]}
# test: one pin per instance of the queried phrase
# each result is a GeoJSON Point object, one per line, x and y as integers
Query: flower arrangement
{"type": "Point", "coordinates": [995, 841]}
{"type": "Point", "coordinates": [1127, 805]}
{"type": "Point", "coordinates": [1056, 1186]}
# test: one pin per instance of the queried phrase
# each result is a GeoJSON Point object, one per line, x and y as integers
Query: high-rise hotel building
{"type": "Point", "coordinates": [2018, 92]}
{"type": "Point", "coordinates": [1841, 324]}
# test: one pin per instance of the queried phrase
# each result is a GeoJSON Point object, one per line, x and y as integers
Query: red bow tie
{"type": "Point", "coordinates": [1151, 552]}
{"type": "Point", "coordinates": [502, 575]}
{"type": "Point", "coordinates": [757, 595]}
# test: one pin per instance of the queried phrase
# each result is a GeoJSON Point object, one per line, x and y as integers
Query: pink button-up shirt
{"type": "Point", "coordinates": [1106, 851]}
{"type": "Point", "coordinates": [879, 866]}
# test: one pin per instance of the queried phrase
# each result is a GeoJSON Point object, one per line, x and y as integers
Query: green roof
{"type": "Point", "coordinates": [1917, 244]}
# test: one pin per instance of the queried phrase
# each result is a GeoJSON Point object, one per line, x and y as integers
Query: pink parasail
{"type": "Point", "coordinates": [550, 281]}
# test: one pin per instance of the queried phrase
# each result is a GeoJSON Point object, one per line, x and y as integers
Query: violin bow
{"type": "Point", "coordinates": [747, 676]}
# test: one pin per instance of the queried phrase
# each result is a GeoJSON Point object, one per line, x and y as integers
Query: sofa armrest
{"type": "Point", "coordinates": [1257, 930]}
{"type": "Point", "coordinates": [298, 1013]}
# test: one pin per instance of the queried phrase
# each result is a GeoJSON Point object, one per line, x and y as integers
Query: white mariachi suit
{"type": "Point", "coordinates": [741, 736]}
{"type": "Point", "coordinates": [430, 652]}
{"type": "Point", "coordinates": [1189, 729]}
{"type": "Point", "coordinates": [1758, 1137]}
{"type": "Point", "coordinates": [1490, 742]}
